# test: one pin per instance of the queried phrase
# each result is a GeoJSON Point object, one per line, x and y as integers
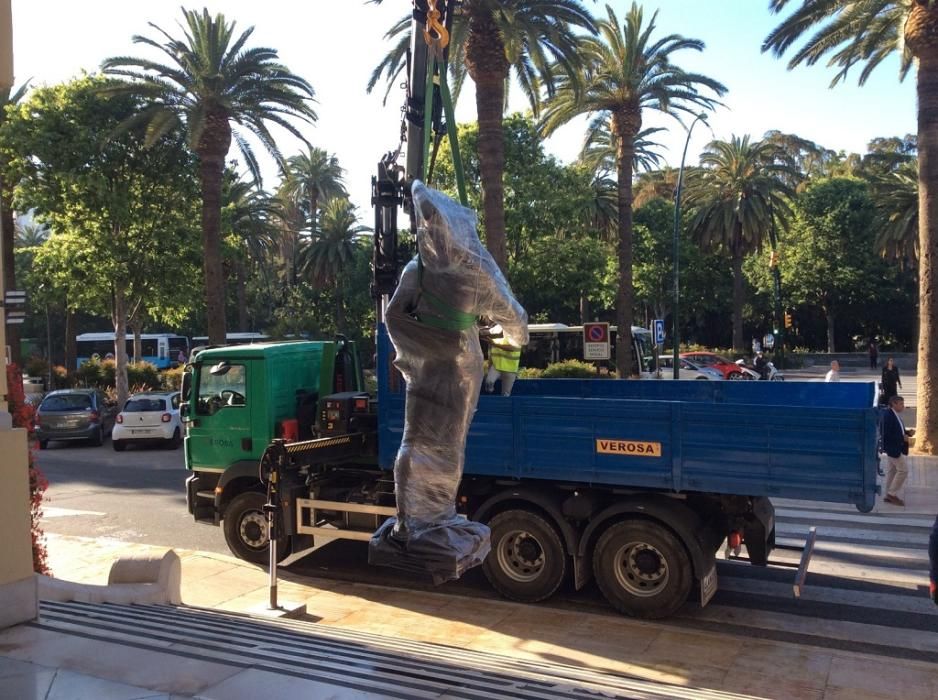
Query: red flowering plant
{"type": "Point", "coordinates": [24, 416]}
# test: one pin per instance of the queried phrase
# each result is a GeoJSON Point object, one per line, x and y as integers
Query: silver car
{"type": "Point", "coordinates": [74, 414]}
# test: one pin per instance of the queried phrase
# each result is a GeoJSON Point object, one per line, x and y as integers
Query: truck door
{"type": "Point", "coordinates": [220, 430]}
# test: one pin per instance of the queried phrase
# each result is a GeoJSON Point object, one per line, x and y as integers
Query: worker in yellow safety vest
{"type": "Point", "coordinates": [504, 360]}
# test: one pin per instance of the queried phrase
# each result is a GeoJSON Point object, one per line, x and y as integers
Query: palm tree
{"type": "Point", "coordinates": [535, 40]}
{"type": "Point", "coordinates": [211, 81]}
{"type": "Point", "coordinates": [289, 219]}
{"type": "Point", "coordinates": [8, 98]}
{"type": "Point", "coordinates": [600, 149]}
{"type": "Point", "coordinates": [626, 71]}
{"type": "Point", "coordinates": [311, 177]}
{"type": "Point", "coordinates": [866, 32]}
{"type": "Point", "coordinates": [28, 232]}
{"type": "Point", "coordinates": [740, 191]}
{"type": "Point", "coordinates": [246, 214]}
{"type": "Point", "coordinates": [896, 197]}
{"type": "Point", "coordinates": [331, 252]}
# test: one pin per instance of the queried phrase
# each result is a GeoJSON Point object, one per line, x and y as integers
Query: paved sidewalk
{"type": "Point", "coordinates": [711, 664]}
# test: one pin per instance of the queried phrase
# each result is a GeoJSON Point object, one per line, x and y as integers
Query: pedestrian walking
{"type": "Point", "coordinates": [896, 447]}
{"type": "Point", "coordinates": [874, 353]}
{"type": "Point", "coordinates": [891, 383]}
{"type": "Point", "coordinates": [833, 374]}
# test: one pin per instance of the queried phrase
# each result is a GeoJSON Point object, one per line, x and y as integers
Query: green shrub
{"type": "Point", "coordinates": [172, 378]}
{"type": "Point", "coordinates": [570, 369]}
{"type": "Point", "coordinates": [143, 374]}
{"type": "Point", "coordinates": [530, 373]}
{"type": "Point", "coordinates": [36, 367]}
{"type": "Point", "coordinates": [61, 378]}
{"type": "Point", "coordinates": [91, 373]}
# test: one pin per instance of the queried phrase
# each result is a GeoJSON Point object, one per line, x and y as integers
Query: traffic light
{"type": "Point", "coordinates": [788, 322]}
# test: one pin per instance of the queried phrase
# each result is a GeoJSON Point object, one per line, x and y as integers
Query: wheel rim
{"type": "Point", "coordinates": [521, 556]}
{"type": "Point", "coordinates": [641, 569]}
{"type": "Point", "coordinates": [253, 530]}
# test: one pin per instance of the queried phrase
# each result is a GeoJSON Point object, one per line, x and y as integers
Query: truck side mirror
{"type": "Point", "coordinates": [186, 388]}
{"type": "Point", "coordinates": [184, 411]}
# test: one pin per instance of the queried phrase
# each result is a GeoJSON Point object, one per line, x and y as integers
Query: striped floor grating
{"type": "Point", "coordinates": [392, 668]}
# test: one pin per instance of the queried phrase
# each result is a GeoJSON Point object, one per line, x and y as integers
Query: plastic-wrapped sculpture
{"type": "Point", "coordinates": [432, 323]}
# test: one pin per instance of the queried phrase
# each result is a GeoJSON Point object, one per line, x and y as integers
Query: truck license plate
{"type": "Point", "coordinates": [708, 586]}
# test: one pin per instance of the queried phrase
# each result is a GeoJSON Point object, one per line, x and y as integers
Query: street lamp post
{"type": "Point", "coordinates": [675, 339]}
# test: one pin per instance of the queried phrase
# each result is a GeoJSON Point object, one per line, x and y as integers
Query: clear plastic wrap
{"type": "Point", "coordinates": [431, 321]}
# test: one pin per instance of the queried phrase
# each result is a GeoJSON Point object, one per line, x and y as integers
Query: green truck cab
{"type": "Point", "coordinates": [235, 401]}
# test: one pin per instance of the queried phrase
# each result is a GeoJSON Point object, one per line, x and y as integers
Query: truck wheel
{"type": "Point", "coordinates": [527, 562]}
{"type": "Point", "coordinates": [245, 526]}
{"type": "Point", "coordinates": [642, 569]}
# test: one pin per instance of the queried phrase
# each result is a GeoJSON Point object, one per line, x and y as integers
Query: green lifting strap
{"type": "Point", "coordinates": [449, 319]}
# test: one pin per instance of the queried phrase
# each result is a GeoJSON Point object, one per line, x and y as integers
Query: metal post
{"type": "Point", "coordinates": [777, 292]}
{"type": "Point", "coordinates": [272, 508]}
{"type": "Point", "coordinates": [49, 387]}
{"type": "Point", "coordinates": [675, 324]}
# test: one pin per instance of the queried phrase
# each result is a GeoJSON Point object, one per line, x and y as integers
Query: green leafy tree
{"type": "Point", "coordinates": [554, 276]}
{"type": "Point", "coordinates": [865, 33]}
{"type": "Point", "coordinates": [212, 81]}
{"type": "Point", "coordinates": [332, 250]}
{"type": "Point", "coordinates": [826, 259]}
{"type": "Point", "coordinates": [9, 97]}
{"type": "Point", "coordinates": [625, 72]}
{"type": "Point", "coordinates": [492, 39]}
{"type": "Point", "coordinates": [740, 192]}
{"type": "Point", "coordinates": [542, 196]}
{"type": "Point", "coordinates": [114, 204]}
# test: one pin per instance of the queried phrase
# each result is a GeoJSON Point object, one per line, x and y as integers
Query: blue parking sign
{"type": "Point", "coordinates": [659, 331]}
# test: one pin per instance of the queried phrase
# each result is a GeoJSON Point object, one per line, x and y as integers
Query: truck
{"type": "Point", "coordinates": [634, 484]}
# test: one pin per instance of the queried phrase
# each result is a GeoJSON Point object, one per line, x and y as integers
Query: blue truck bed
{"type": "Point", "coordinates": [804, 440]}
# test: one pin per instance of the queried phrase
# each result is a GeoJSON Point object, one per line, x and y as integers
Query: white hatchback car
{"type": "Point", "coordinates": [148, 417]}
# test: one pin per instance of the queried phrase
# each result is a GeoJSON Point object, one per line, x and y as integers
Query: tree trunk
{"type": "Point", "coordinates": [625, 125]}
{"type": "Point", "coordinates": [339, 308]}
{"type": "Point", "coordinates": [71, 347]}
{"type": "Point", "coordinates": [738, 343]}
{"type": "Point", "coordinates": [242, 295]}
{"type": "Point", "coordinates": [829, 315]}
{"type": "Point", "coordinates": [119, 317]}
{"type": "Point", "coordinates": [488, 67]}
{"type": "Point", "coordinates": [926, 439]}
{"type": "Point", "coordinates": [7, 240]}
{"type": "Point", "coordinates": [210, 170]}
{"type": "Point", "coordinates": [584, 310]}
{"type": "Point", "coordinates": [138, 341]}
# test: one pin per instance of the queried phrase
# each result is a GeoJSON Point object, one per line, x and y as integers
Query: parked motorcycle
{"type": "Point", "coordinates": [750, 372]}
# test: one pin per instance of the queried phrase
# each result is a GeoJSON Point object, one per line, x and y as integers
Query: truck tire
{"type": "Point", "coordinates": [642, 569]}
{"type": "Point", "coordinates": [245, 526]}
{"type": "Point", "coordinates": [527, 562]}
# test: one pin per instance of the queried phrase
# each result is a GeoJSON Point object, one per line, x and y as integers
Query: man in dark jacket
{"type": "Point", "coordinates": [896, 447]}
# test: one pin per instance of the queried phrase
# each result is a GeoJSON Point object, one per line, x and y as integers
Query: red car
{"type": "Point", "coordinates": [730, 370]}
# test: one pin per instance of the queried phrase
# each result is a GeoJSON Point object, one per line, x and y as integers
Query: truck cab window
{"type": "Point", "coordinates": [221, 386]}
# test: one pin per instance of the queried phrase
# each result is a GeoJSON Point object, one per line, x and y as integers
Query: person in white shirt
{"type": "Point", "coordinates": [833, 375]}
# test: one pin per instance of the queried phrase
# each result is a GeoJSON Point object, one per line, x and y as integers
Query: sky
{"type": "Point", "coordinates": [336, 44]}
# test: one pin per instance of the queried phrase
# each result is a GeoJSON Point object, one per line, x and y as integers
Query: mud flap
{"type": "Point", "coordinates": [708, 585]}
